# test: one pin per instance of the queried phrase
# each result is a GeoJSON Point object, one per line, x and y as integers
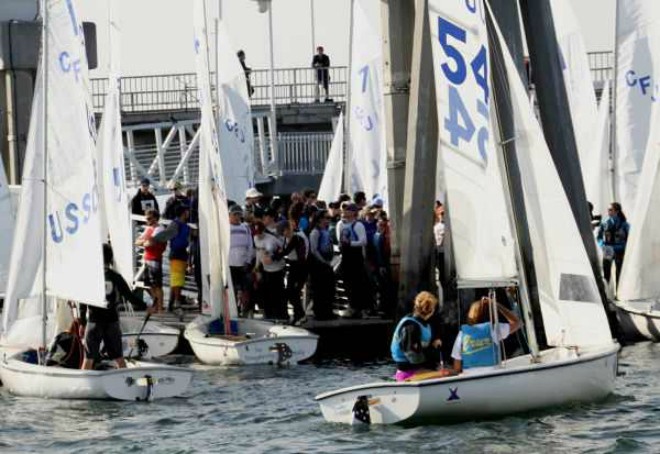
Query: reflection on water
{"type": "Point", "coordinates": [259, 409]}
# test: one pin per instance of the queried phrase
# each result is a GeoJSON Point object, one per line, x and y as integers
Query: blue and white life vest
{"type": "Point", "coordinates": [478, 348]}
{"type": "Point", "coordinates": [395, 348]}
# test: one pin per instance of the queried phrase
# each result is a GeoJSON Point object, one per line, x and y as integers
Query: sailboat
{"type": "Point", "coordinates": [6, 229]}
{"type": "Point", "coordinates": [220, 338]}
{"type": "Point", "coordinates": [57, 256]}
{"type": "Point", "coordinates": [155, 339]}
{"type": "Point", "coordinates": [330, 188]}
{"type": "Point", "coordinates": [580, 362]}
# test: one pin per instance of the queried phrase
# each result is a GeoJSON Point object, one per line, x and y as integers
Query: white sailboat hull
{"type": "Point", "coordinates": [159, 339]}
{"type": "Point", "coordinates": [259, 342]}
{"type": "Point", "coordinates": [559, 378]}
{"type": "Point", "coordinates": [639, 319]}
{"type": "Point", "coordinates": [139, 381]}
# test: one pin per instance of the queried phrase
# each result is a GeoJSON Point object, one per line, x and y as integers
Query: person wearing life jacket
{"type": "Point", "coordinates": [413, 346]}
{"type": "Point", "coordinates": [476, 342]}
{"type": "Point", "coordinates": [153, 258]}
{"type": "Point", "coordinates": [612, 238]}
{"type": "Point", "coordinates": [295, 249]}
{"type": "Point", "coordinates": [178, 234]}
{"type": "Point", "coordinates": [66, 350]}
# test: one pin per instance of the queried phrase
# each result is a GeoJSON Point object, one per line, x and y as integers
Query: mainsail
{"type": "Point", "coordinates": [581, 95]}
{"type": "Point", "coordinates": [481, 229]}
{"type": "Point", "coordinates": [639, 276]}
{"type": "Point", "coordinates": [330, 188]}
{"type": "Point", "coordinates": [74, 265]}
{"type": "Point", "coordinates": [234, 120]}
{"type": "Point", "coordinates": [6, 228]}
{"type": "Point", "coordinates": [637, 69]}
{"type": "Point", "coordinates": [214, 233]}
{"type": "Point", "coordinates": [572, 310]}
{"type": "Point", "coordinates": [599, 186]}
{"type": "Point", "coordinates": [114, 199]}
{"type": "Point", "coordinates": [367, 117]}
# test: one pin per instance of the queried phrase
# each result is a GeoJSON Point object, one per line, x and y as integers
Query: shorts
{"type": "Point", "coordinates": [107, 332]}
{"type": "Point", "coordinates": [153, 273]}
{"type": "Point", "coordinates": [177, 273]}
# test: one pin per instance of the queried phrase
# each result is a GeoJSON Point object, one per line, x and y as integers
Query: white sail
{"type": "Point", "coordinates": [481, 230]}
{"type": "Point", "coordinates": [641, 266]}
{"type": "Point", "coordinates": [580, 92]}
{"type": "Point", "coordinates": [234, 120]}
{"type": "Point", "coordinates": [74, 268]}
{"type": "Point", "coordinates": [6, 228]}
{"type": "Point", "coordinates": [114, 199]}
{"type": "Point", "coordinates": [571, 307]}
{"type": "Point", "coordinates": [367, 116]}
{"type": "Point", "coordinates": [599, 187]}
{"type": "Point", "coordinates": [214, 229]}
{"type": "Point", "coordinates": [330, 188]}
{"type": "Point", "coordinates": [637, 70]}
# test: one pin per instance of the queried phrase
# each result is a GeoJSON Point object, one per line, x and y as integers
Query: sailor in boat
{"type": "Point", "coordinates": [612, 238]}
{"type": "Point", "coordinates": [66, 350]}
{"type": "Point", "coordinates": [476, 343]}
{"type": "Point", "coordinates": [102, 325]}
{"type": "Point", "coordinates": [414, 347]}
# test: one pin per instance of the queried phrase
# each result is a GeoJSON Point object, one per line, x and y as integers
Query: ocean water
{"type": "Point", "coordinates": [264, 409]}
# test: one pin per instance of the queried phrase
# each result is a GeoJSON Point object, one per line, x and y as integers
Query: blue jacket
{"type": "Point", "coordinates": [477, 346]}
{"type": "Point", "coordinates": [399, 353]}
{"type": "Point", "coordinates": [613, 231]}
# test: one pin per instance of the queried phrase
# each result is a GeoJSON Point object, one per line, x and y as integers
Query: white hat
{"type": "Point", "coordinates": [252, 193]}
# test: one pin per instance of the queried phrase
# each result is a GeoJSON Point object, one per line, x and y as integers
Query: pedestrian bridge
{"type": "Point", "coordinates": [160, 114]}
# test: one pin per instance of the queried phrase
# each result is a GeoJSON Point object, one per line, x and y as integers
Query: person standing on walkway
{"type": "Point", "coordinates": [241, 256]}
{"type": "Point", "coordinates": [612, 238]}
{"type": "Point", "coordinates": [177, 198]}
{"type": "Point", "coordinates": [322, 64]}
{"type": "Point", "coordinates": [352, 243]}
{"type": "Point", "coordinates": [294, 249]}
{"type": "Point", "coordinates": [178, 234]}
{"type": "Point", "coordinates": [322, 275]}
{"type": "Point", "coordinates": [153, 258]}
{"type": "Point", "coordinates": [271, 291]}
{"type": "Point", "coordinates": [144, 199]}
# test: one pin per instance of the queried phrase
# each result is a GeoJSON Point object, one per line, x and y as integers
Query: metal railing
{"type": "Point", "coordinates": [179, 91]}
{"type": "Point", "coordinates": [601, 65]}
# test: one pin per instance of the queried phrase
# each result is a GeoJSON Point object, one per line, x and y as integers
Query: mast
{"type": "Point", "coordinates": [348, 155]}
{"type": "Point", "coordinates": [528, 286]}
{"type": "Point", "coordinates": [613, 145]}
{"type": "Point", "coordinates": [44, 119]}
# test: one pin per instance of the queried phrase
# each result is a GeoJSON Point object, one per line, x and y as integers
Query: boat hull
{"type": "Point", "coordinates": [158, 339]}
{"type": "Point", "coordinates": [518, 386]}
{"type": "Point", "coordinates": [139, 381]}
{"type": "Point", "coordinates": [267, 344]}
{"type": "Point", "coordinates": [639, 320]}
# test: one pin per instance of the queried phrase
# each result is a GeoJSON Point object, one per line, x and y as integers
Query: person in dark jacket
{"type": "Point", "coordinates": [102, 324]}
{"type": "Point", "coordinates": [322, 64]}
{"type": "Point", "coordinates": [414, 346]}
{"type": "Point", "coordinates": [144, 200]}
{"type": "Point", "coordinates": [295, 251]}
{"type": "Point", "coordinates": [177, 199]}
{"type": "Point", "coordinates": [612, 238]}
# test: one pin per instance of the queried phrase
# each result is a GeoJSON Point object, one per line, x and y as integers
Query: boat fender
{"type": "Point", "coordinates": [361, 414]}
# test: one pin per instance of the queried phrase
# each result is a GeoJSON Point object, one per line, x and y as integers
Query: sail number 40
{"type": "Point", "coordinates": [459, 123]}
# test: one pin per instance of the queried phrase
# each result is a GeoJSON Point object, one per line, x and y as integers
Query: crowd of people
{"type": "Point", "coordinates": [284, 252]}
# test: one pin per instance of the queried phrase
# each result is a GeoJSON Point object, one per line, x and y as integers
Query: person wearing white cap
{"type": "Point", "coordinates": [253, 205]}
{"type": "Point", "coordinates": [176, 199]}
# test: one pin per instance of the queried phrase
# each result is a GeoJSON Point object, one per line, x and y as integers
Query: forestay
{"type": "Point", "coordinates": [234, 120]}
{"type": "Point", "coordinates": [330, 188]}
{"type": "Point", "coordinates": [639, 277]}
{"type": "Point", "coordinates": [572, 311]}
{"type": "Point", "coordinates": [73, 237]}
{"type": "Point", "coordinates": [367, 116]}
{"type": "Point", "coordinates": [581, 95]}
{"type": "Point", "coordinates": [481, 229]}
{"type": "Point", "coordinates": [214, 234]}
{"type": "Point", "coordinates": [637, 69]}
{"type": "Point", "coordinates": [114, 198]}
{"type": "Point", "coordinates": [6, 228]}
